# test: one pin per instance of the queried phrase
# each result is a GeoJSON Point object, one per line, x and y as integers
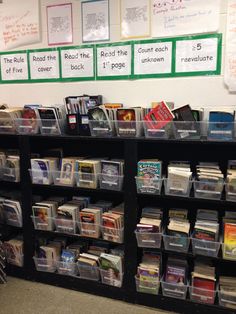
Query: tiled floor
{"type": "Point", "coordinates": [24, 297]}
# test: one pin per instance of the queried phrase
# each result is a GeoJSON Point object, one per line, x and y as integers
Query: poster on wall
{"type": "Point", "coordinates": [95, 20]}
{"type": "Point", "coordinates": [135, 18]}
{"type": "Point", "coordinates": [230, 55]}
{"type": "Point", "coordinates": [14, 66]}
{"type": "Point", "coordinates": [59, 24]}
{"type": "Point", "coordinates": [19, 23]}
{"type": "Point", "coordinates": [183, 17]}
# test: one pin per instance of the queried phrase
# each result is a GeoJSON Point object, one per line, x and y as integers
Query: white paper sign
{"type": "Point", "coordinates": [114, 60]}
{"type": "Point", "coordinates": [14, 67]}
{"type": "Point", "coordinates": [44, 65]}
{"type": "Point", "coordinates": [77, 62]}
{"type": "Point", "coordinates": [230, 56]}
{"type": "Point", "coordinates": [59, 20]}
{"type": "Point", "coordinates": [95, 20]}
{"type": "Point", "coordinates": [196, 55]}
{"type": "Point", "coordinates": [182, 17]}
{"type": "Point", "coordinates": [19, 23]}
{"type": "Point", "coordinates": [152, 58]}
{"type": "Point", "coordinates": [135, 18]}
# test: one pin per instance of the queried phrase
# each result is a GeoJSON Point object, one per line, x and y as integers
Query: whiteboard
{"type": "Point", "coordinates": [19, 23]}
{"type": "Point", "coordinates": [182, 17]}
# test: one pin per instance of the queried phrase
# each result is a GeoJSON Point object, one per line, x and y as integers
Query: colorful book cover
{"type": "Point", "coordinates": [159, 116]}
{"type": "Point", "coordinates": [221, 125]}
{"type": "Point", "coordinates": [203, 290]}
{"type": "Point", "coordinates": [149, 169]}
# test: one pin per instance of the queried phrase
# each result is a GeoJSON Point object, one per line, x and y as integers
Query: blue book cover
{"type": "Point", "coordinates": [221, 125]}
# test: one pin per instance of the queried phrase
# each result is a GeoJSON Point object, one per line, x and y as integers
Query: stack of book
{"type": "Point", "coordinates": [149, 175]}
{"type": "Point", "coordinates": [67, 215]}
{"type": "Point", "coordinates": [176, 272]}
{"type": "Point", "coordinates": [88, 265]}
{"type": "Point", "coordinates": [179, 226]}
{"type": "Point", "coordinates": [111, 269]}
{"type": "Point", "coordinates": [203, 283]}
{"type": "Point", "coordinates": [229, 245]}
{"type": "Point", "coordinates": [43, 214]}
{"type": "Point", "coordinates": [14, 251]}
{"type": "Point", "coordinates": [179, 176]}
{"type": "Point", "coordinates": [210, 177]}
{"type": "Point", "coordinates": [12, 212]}
{"type": "Point", "coordinates": [88, 170]}
{"type": "Point", "coordinates": [221, 124]}
{"type": "Point", "coordinates": [112, 172]}
{"type": "Point", "coordinates": [112, 226]}
{"type": "Point", "coordinates": [227, 291]}
{"type": "Point", "coordinates": [10, 165]}
{"type": "Point", "coordinates": [90, 222]}
{"type": "Point", "coordinates": [129, 121]}
{"type": "Point", "coordinates": [42, 169]}
{"type": "Point", "coordinates": [231, 177]}
{"type": "Point", "coordinates": [8, 117]}
{"type": "Point", "coordinates": [206, 225]}
{"type": "Point", "coordinates": [148, 273]}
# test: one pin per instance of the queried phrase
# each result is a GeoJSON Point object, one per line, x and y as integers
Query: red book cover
{"type": "Point", "coordinates": [203, 290]}
{"type": "Point", "coordinates": [158, 117]}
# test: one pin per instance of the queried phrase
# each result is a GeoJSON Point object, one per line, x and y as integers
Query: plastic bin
{"type": "Point", "coordinates": [208, 190]}
{"type": "Point", "coordinates": [177, 190]}
{"type": "Point", "coordinates": [174, 290]}
{"type": "Point", "coordinates": [42, 264]}
{"type": "Point", "coordinates": [230, 192]}
{"type": "Point", "coordinates": [227, 300]}
{"type": "Point", "coordinates": [27, 126]}
{"type": "Point", "coordinates": [176, 244]}
{"type": "Point", "coordinates": [67, 268]}
{"type": "Point", "coordinates": [13, 219]}
{"type": "Point", "coordinates": [187, 130]}
{"type": "Point", "coordinates": [206, 248]}
{"type": "Point", "coordinates": [41, 177]}
{"type": "Point", "coordinates": [63, 178]}
{"type": "Point", "coordinates": [102, 128]}
{"type": "Point", "coordinates": [10, 174]}
{"type": "Point", "coordinates": [110, 182]}
{"type": "Point", "coordinates": [155, 130]}
{"type": "Point", "coordinates": [146, 286]}
{"type": "Point", "coordinates": [129, 128]}
{"type": "Point", "coordinates": [148, 185]}
{"type": "Point", "coordinates": [86, 180]}
{"type": "Point", "coordinates": [109, 277]}
{"type": "Point", "coordinates": [65, 225]}
{"type": "Point", "coordinates": [52, 127]}
{"type": "Point", "coordinates": [202, 295]}
{"type": "Point", "coordinates": [229, 252]}
{"type": "Point", "coordinates": [39, 224]}
{"type": "Point", "coordinates": [88, 272]}
{"type": "Point", "coordinates": [148, 239]}
{"type": "Point", "coordinates": [89, 230]}
{"type": "Point", "coordinates": [112, 235]}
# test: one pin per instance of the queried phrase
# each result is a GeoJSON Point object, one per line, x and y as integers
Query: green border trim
{"type": "Point", "coordinates": [115, 77]}
{"type": "Point", "coordinates": [76, 79]}
{"type": "Point", "coordinates": [15, 81]}
{"type": "Point", "coordinates": [153, 75]}
{"type": "Point", "coordinates": [202, 73]}
{"type": "Point", "coordinates": [44, 79]}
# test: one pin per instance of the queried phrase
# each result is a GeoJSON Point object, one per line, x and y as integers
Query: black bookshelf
{"type": "Point", "coordinates": [131, 150]}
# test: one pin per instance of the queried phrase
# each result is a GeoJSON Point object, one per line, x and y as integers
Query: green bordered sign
{"type": "Point", "coordinates": [198, 55]}
{"type": "Point", "coordinates": [77, 63]}
{"type": "Point", "coordinates": [44, 65]}
{"type": "Point", "coordinates": [114, 61]}
{"type": "Point", "coordinates": [14, 67]}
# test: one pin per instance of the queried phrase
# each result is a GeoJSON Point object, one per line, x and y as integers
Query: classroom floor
{"type": "Point", "coordinates": [25, 297]}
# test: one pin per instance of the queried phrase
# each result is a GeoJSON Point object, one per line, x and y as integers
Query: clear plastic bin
{"type": "Point", "coordinates": [148, 185]}
{"type": "Point", "coordinates": [89, 230]}
{"type": "Point", "coordinates": [52, 127]}
{"type": "Point", "coordinates": [187, 130]}
{"type": "Point", "coordinates": [39, 224]}
{"type": "Point", "coordinates": [7, 126]}
{"type": "Point", "coordinates": [86, 180]}
{"type": "Point", "coordinates": [67, 268]}
{"type": "Point", "coordinates": [10, 174]}
{"type": "Point", "coordinates": [227, 300]}
{"type": "Point", "coordinates": [41, 177]}
{"type": "Point", "coordinates": [110, 182]}
{"type": "Point", "coordinates": [230, 192]}
{"type": "Point", "coordinates": [148, 239]}
{"type": "Point", "coordinates": [13, 219]}
{"type": "Point", "coordinates": [102, 128]}
{"type": "Point", "coordinates": [176, 190]}
{"type": "Point", "coordinates": [65, 225]}
{"type": "Point", "coordinates": [220, 131]}
{"type": "Point", "coordinates": [112, 235]}
{"type": "Point", "coordinates": [208, 190]}
{"type": "Point", "coordinates": [176, 244]}
{"type": "Point", "coordinates": [109, 277]}
{"type": "Point", "coordinates": [43, 264]}
{"type": "Point", "coordinates": [229, 252]}
{"type": "Point", "coordinates": [17, 260]}
{"type": "Point", "coordinates": [174, 290]}
{"type": "Point", "coordinates": [129, 128]}
{"type": "Point", "coordinates": [63, 178]}
{"type": "Point", "coordinates": [27, 126]}
{"type": "Point", "coordinates": [146, 286]}
{"type": "Point", "coordinates": [155, 130]}
{"type": "Point", "coordinates": [206, 248]}
{"type": "Point", "coordinates": [202, 295]}
{"type": "Point", "coordinates": [88, 272]}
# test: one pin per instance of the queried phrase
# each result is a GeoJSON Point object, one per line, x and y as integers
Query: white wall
{"type": "Point", "coordinates": [200, 91]}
